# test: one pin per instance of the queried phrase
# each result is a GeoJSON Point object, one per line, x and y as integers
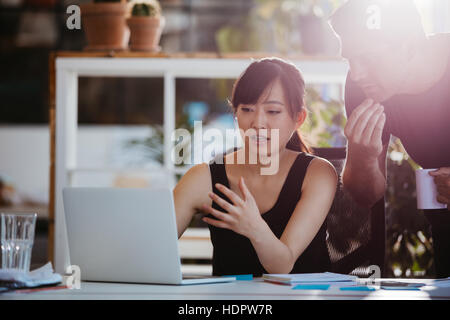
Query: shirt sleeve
{"type": "Point", "coordinates": [354, 96]}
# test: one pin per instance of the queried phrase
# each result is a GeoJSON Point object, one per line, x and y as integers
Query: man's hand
{"type": "Point", "coordinates": [365, 154]}
{"type": "Point", "coordinates": [364, 130]}
{"type": "Point", "coordinates": [442, 181]}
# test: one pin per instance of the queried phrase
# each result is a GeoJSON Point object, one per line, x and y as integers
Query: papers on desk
{"type": "Point", "coordinates": [310, 278]}
{"type": "Point", "coordinates": [328, 280]}
{"type": "Point", "coordinates": [11, 279]}
{"type": "Point", "coordinates": [441, 283]}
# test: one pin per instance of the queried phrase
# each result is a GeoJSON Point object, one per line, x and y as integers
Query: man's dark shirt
{"type": "Point", "coordinates": [421, 121]}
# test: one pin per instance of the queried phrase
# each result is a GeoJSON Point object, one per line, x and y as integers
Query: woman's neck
{"type": "Point", "coordinates": [265, 165]}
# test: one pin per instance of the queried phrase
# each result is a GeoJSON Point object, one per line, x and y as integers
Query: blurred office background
{"type": "Point", "coordinates": [120, 118]}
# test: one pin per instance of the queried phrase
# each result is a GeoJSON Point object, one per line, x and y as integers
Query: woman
{"type": "Point", "coordinates": [272, 223]}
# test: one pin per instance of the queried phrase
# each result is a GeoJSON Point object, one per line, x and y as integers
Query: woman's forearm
{"type": "Point", "coordinates": [274, 255]}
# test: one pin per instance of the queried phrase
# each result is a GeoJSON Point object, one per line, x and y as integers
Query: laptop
{"type": "Point", "coordinates": [125, 235]}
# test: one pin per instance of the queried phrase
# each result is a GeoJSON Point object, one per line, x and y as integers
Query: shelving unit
{"type": "Point", "coordinates": [66, 67]}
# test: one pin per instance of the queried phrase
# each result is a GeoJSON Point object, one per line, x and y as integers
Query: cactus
{"type": "Point", "coordinates": [144, 10]}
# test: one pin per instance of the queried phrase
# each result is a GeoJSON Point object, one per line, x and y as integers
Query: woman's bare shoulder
{"type": "Point", "coordinates": [198, 176]}
{"type": "Point", "coordinates": [320, 170]}
{"type": "Point", "coordinates": [319, 163]}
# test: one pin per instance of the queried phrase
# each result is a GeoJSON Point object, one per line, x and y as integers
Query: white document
{"type": "Point", "coordinates": [325, 277]}
{"type": "Point", "coordinates": [441, 283]}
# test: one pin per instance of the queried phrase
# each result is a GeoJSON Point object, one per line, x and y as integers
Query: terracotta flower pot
{"type": "Point", "coordinates": [105, 25]}
{"type": "Point", "coordinates": [145, 33]}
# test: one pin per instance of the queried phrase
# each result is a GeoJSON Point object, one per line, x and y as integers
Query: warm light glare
{"type": "Point", "coordinates": [425, 8]}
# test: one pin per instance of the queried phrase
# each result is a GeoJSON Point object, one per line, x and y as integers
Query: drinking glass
{"type": "Point", "coordinates": [17, 237]}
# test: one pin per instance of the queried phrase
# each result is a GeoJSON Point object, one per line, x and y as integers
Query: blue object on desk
{"type": "Point", "coordinates": [357, 288]}
{"type": "Point", "coordinates": [242, 277]}
{"type": "Point", "coordinates": [401, 288]}
{"type": "Point", "coordinates": [311, 287]}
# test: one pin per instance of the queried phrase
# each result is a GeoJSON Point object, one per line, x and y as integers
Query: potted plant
{"type": "Point", "coordinates": [146, 24]}
{"type": "Point", "coordinates": [105, 25]}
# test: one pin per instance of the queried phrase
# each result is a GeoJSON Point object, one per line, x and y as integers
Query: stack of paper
{"type": "Point", "coordinates": [13, 279]}
{"type": "Point", "coordinates": [441, 283]}
{"type": "Point", "coordinates": [310, 278]}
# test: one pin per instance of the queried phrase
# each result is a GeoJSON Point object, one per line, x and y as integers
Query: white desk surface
{"type": "Point", "coordinates": [238, 290]}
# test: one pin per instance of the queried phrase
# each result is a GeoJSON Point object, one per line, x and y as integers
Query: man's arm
{"type": "Point", "coordinates": [365, 179]}
{"type": "Point", "coordinates": [365, 168]}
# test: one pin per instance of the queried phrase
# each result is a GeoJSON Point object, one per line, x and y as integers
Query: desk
{"type": "Point", "coordinates": [238, 290]}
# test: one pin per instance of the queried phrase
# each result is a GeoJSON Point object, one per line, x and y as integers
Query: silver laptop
{"type": "Point", "coordinates": [125, 235]}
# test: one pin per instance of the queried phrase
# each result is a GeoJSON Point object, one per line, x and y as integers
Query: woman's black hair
{"type": "Point", "coordinates": [262, 73]}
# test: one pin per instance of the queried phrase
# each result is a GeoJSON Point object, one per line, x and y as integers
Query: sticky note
{"type": "Point", "coordinates": [357, 288]}
{"type": "Point", "coordinates": [242, 277]}
{"type": "Point", "coordinates": [401, 288]}
{"type": "Point", "coordinates": [311, 287]}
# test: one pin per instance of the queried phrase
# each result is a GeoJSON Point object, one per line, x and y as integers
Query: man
{"type": "Point", "coordinates": [399, 84]}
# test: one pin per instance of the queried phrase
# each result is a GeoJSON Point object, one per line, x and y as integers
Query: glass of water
{"type": "Point", "coordinates": [17, 236]}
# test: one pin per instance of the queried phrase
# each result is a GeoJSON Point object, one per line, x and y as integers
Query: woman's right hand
{"type": "Point", "coordinates": [364, 130]}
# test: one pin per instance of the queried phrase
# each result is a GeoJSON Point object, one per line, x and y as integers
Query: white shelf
{"type": "Point", "coordinates": [195, 243]}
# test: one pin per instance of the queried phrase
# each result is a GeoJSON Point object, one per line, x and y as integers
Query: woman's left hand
{"type": "Point", "coordinates": [242, 215]}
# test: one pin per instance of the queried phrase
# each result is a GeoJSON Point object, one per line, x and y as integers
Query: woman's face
{"type": "Point", "coordinates": [260, 122]}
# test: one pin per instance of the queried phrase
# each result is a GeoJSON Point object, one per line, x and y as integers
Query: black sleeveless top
{"type": "Point", "coordinates": [234, 254]}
